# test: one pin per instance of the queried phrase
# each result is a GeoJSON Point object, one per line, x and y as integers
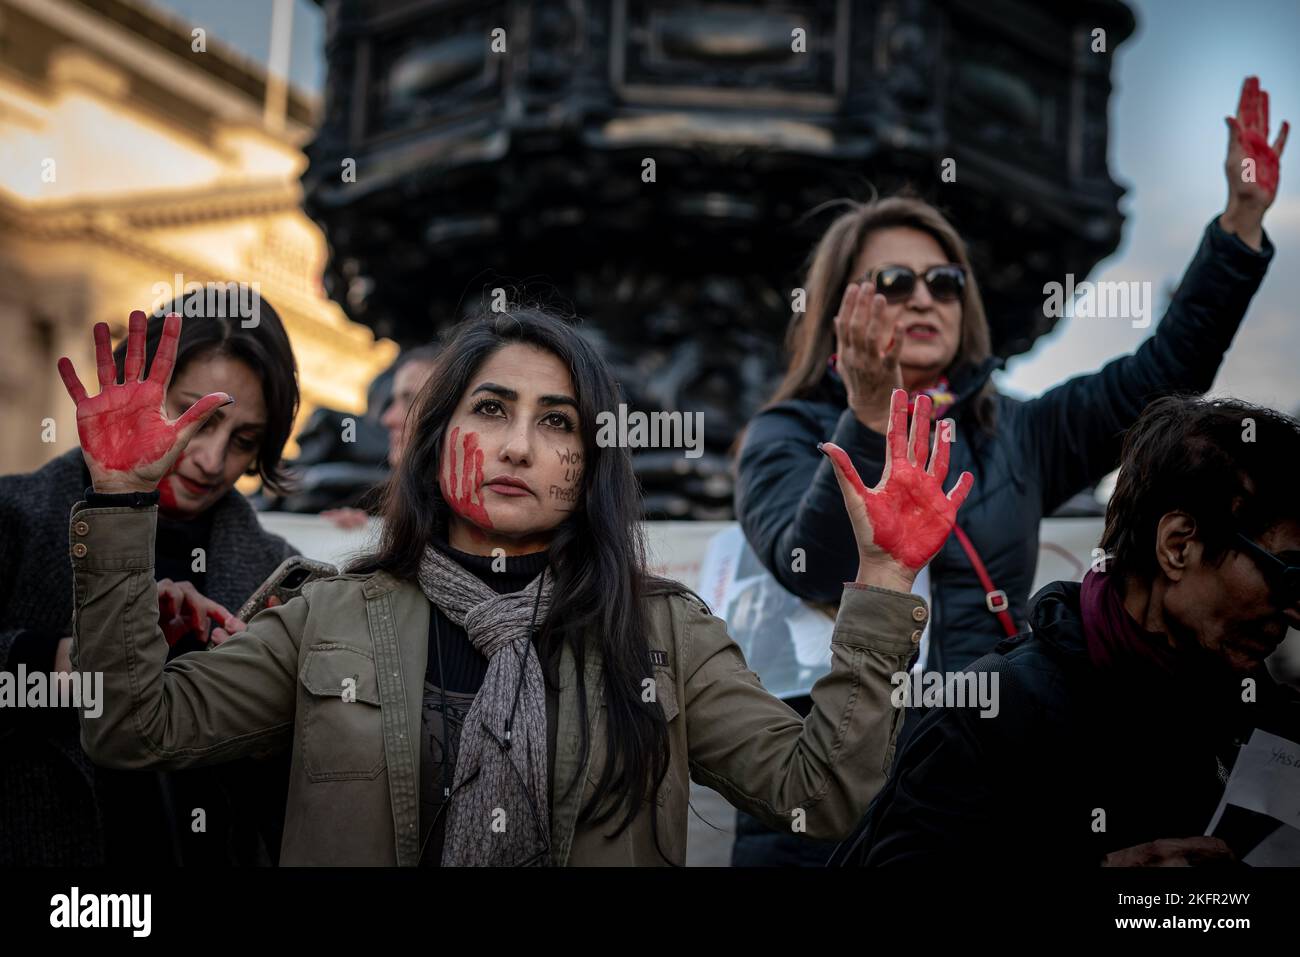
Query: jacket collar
{"type": "Point", "coordinates": [1055, 619]}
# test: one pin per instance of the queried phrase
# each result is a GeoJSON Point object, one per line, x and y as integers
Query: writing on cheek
{"type": "Point", "coordinates": [460, 489]}
{"type": "Point", "coordinates": [565, 496]}
{"type": "Point", "coordinates": [572, 462]}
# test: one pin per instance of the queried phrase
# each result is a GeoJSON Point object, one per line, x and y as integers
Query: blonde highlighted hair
{"type": "Point", "coordinates": [810, 337]}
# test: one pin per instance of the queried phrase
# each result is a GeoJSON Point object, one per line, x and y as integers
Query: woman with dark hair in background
{"type": "Point", "coordinates": [893, 303]}
{"type": "Point", "coordinates": [209, 555]}
{"type": "Point", "coordinates": [410, 372]}
{"type": "Point", "coordinates": [501, 681]}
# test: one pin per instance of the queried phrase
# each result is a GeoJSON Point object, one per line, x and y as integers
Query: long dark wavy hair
{"type": "Point", "coordinates": [597, 554]}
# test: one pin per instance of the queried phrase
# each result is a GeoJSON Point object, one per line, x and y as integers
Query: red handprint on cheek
{"type": "Point", "coordinates": [459, 491]}
{"type": "Point", "coordinates": [167, 494]}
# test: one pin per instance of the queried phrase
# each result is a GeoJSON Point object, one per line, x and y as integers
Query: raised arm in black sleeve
{"type": "Point", "coordinates": [1074, 430]}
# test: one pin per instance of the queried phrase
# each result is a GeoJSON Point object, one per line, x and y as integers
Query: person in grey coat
{"type": "Point", "coordinates": [56, 808]}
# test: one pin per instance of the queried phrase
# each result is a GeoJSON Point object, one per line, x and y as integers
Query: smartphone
{"type": "Point", "coordinates": [286, 582]}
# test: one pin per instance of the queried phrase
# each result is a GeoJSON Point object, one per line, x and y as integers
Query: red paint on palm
{"type": "Point", "coordinates": [1251, 130]}
{"type": "Point", "coordinates": [909, 521]}
{"type": "Point", "coordinates": [910, 516]}
{"type": "Point", "coordinates": [459, 490]}
{"type": "Point", "coordinates": [123, 429]}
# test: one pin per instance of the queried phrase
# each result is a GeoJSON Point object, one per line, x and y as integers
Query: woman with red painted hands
{"type": "Point", "coordinates": [210, 553]}
{"type": "Point", "coordinates": [501, 682]}
{"type": "Point", "coordinates": [893, 303]}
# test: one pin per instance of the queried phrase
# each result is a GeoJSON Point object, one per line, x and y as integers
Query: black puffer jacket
{"type": "Point", "coordinates": [1068, 741]}
{"type": "Point", "coordinates": [1041, 453]}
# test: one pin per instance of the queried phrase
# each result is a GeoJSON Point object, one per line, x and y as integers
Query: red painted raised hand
{"type": "Point", "coordinates": [126, 438]}
{"type": "Point", "coordinates": [1249, 140]}
{"type": "Point", "coordinates": [902, 522]}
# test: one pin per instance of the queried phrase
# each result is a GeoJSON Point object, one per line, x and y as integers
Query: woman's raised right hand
{"type": "Point", "coordinates": [867, 350]}
{"type": "Point", "coordinates": [126, 438]}
{"type": "Point", "coordinates": [903, 522]}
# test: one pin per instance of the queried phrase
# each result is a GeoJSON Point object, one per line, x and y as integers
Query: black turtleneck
{"type": "Point", "coordinates": [465, 667]}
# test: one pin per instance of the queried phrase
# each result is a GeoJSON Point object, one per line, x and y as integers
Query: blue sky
{"type": "Point", "coordinates": [245, 25]}
{"type": "Point", "coordinates": [1175, 79]}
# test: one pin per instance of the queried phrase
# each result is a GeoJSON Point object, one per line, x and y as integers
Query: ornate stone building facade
{"type": "Point", "coordinates": [135, 153]}
{"type": "Point", "coordinates": [662, 166]}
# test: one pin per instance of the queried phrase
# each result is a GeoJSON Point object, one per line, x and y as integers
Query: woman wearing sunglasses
{"type": "Point", "coordinates": [501, 681]}
{"type": "Point", "coordinates": [893, 303]}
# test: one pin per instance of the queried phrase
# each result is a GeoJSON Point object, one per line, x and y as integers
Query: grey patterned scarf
{"type": "Point", "coordinates": [500, 809]}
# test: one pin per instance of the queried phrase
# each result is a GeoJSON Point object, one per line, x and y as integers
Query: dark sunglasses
{"type": "Point", "coordinates": [1283, 579]}
{"type": "Point", "coordinates": [895, 283]}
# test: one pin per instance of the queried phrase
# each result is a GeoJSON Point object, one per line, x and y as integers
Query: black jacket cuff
{"type": "Point", "coordinates": [1224, 242]}
{"type": "Point", "coordinates": [120, 499]}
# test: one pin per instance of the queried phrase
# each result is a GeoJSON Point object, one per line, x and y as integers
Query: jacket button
{"type": "Point", "coordinates": [916, 637]}
{"type": "Point", "coordinates": [919, 613]}
{"type": "Point", "coordinates": [81, 528]}
{"type": "Point", "coordinates": [80, 549]}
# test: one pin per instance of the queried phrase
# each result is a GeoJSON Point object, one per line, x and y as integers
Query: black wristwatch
{"type": "Point", "coordinates": [121, 499]}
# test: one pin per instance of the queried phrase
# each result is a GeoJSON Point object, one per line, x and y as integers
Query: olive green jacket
{"type": "Point", "coordinates": [354, 777]}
